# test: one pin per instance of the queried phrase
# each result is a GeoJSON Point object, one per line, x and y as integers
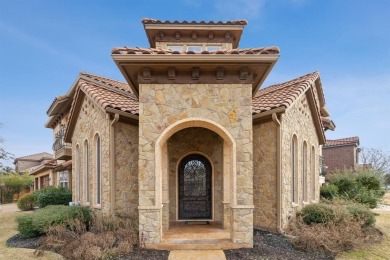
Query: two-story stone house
{"type": "Point", "coordinates": [190, 138]}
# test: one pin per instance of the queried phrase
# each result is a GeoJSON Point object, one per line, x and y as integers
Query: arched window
{"type": "Point", "coordinates": [86, 171]}
{"type": "Point", "coordinates": [294, 169]}
{"type": "Point", "coordinates": [304, 171]}
{"type": "Point", "coordinates": [313, 173]}
{"type": "Point", "coordinates": [98, 171]}
{"type": "Point", "coordinates": [78, 172]}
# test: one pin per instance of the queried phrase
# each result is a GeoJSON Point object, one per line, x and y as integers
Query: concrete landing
{"type": "Point", "coordinates": [196, 254]}
{"type": "Point", "coordinates": [181, 236]}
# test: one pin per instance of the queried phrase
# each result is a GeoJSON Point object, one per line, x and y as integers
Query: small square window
{"type": "Point", "coordinates": [194, 48]}
{"type": "Point", "coordinates": [175, 47]}
{"type": "Point", "coordinates": [213, 48]}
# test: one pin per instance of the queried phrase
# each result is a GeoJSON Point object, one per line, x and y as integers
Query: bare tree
{"type": "Point", "coordinates": [378, 159]}
{"type": "Point", "coordinates": [4, 155]}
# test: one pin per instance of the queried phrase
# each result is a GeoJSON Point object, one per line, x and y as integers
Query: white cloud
{"type": "Point", "coordinates": [240, 8]}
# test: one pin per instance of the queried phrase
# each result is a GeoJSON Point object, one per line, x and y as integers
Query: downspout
{"type": "Point", "coordinates": [278, 173]}
{"type": "Point", "coordinates": [112, 162]}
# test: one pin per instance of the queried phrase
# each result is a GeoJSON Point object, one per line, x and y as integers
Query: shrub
{"type": "Point", "coordinates": [38, 223]}
{"type": "Point", "coordinates": [317, 213]}
{"type": "Point", "coordinates": [350, 226]}
{"type": "Point", "coordinates": [53, 196]}
{"type": "Point", "coordinates": [27, 202]}
{"type": "Point", "coordinates": [329, 191]}
{"type": "Point", "coordinates": [361, 214]}
{"type": "Point", "coordinates": [105, 238]}
{"type": "Point", "coordinates": [362, 187]}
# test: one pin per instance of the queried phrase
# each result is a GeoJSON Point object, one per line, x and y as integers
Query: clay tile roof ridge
{"type": "Point", "coordinates": [231, 22]}
{"type": "Point", "coordinates": [161, 51]}
{"type": "Point", "coordinates": [108, 81]}
{"type": "Point", "coordinates": [108, 86]}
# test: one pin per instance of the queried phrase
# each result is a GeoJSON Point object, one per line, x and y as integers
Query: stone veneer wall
{"type": "Point", "coordinates": [298, 120]}
{"type": "Point", "coordinates": [91, 121]}
{"type": "Point", "coordinates": [126, 170]}
{"type": "Point", "coordinates": [265, 175]}
{"type": "Point", "coordinates": [229, 105]}
{"type": "Point", "coordinates": [206, 142]}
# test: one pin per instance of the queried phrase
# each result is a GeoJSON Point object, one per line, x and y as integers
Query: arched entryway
{"type": "Point", "coordinates": [195, 201]}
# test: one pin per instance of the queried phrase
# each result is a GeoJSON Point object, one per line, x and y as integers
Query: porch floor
{"type": "Point", "coordinates": [181, 235]}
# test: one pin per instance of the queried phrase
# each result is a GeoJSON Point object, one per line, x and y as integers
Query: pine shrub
{"type": "Point", "coordinates": [329, 192]}
{"type": "Point", "coordinates": [27, 202]}
{"type": "Point", "coordinates": [317, 213]}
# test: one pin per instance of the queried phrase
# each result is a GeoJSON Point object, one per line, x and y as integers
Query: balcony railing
{"type": "Point", "coordinates": [61, 149]}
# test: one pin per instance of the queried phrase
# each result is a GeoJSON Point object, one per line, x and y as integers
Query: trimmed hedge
{"type": "Point", "coordinates": [36, 224]}
{"type": "Point", "coordinates": [27, 202]}
{"type": "Point", "coordinates": [53, 196]}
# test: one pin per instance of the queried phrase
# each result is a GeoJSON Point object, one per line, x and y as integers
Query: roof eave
{"type": "Point", "coordinates": [143, 60]}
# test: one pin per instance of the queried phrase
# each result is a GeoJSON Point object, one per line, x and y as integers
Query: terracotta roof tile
{"type": "Point", "coordinates": [109, 98]}
{"type": "Point", "coordinates": [118, 84]}
{"type": "Point", "coordinates": [154, 21]}
{"type": "Point", "coordinates": [159, 51]}
{"type": "Point", "coordinates": [282, 95]}
{"type": "Point", "coordinates": [343, 141]}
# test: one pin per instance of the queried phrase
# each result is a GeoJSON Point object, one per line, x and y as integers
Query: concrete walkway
{"type": "Point", "coordinates": [9, 207]}
{"type": "Point", "coordinates": [196, 255]}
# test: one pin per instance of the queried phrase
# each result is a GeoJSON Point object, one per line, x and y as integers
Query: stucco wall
{"type": "Point", "coordinates": [298, 120]}
{"type": "Point", "coordinates": [126, 170]}
{"type": "Point", "coordinates": [90, 122]}
{"type": "Point", "coordinates": [264, 175]}
{"type": "Point", "coordinates": [193, 140]}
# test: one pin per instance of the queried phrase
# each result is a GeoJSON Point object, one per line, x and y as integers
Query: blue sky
{"type": "Point", "coordinates": [44, 44]}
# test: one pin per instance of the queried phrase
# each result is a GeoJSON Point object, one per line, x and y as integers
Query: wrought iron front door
{"type": "Point", "coordinates": [195, 200]}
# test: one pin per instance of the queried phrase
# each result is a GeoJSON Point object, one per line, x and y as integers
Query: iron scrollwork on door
{"type": "Point", "coordinates": [195, 188]}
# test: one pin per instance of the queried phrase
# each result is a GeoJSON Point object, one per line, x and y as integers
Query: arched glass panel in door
{"type": "Point", "coordinates": [195, 200]}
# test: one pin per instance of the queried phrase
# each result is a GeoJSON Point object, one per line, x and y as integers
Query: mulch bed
{"type": "Point", "coordinates": [266, 246]}
{"type": "Point", "coordinates": [272, 246]}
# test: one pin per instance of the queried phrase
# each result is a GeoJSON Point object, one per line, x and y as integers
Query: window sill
{"type": "Point", "coordinates": [99, 206]}
{"type": "Point", "coordinates": [294, 205]}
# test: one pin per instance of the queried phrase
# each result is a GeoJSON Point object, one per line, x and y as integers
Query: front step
{"type": "Point", "coordinates": [195, 244]}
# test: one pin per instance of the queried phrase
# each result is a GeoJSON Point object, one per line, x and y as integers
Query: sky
{"type": "Point", "coordinates": [45, 44]}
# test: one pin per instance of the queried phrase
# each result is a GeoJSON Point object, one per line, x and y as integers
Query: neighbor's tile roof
{"type": "Point", "coordinates": [154, 21]}
{"type": "Point", "coordinates": [343, 141]}
{"type": "Point", "coordinates": [282, 95]}
{"type": "Point", "coordinates": [35, 157]}
{"type": "Point", "coordinates": [104, 97]}
{"type": "Point", "coordinates": [159, 51]}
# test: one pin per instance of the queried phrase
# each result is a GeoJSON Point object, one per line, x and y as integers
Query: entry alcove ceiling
{"type": "Point", "coordinates": [143, 66]}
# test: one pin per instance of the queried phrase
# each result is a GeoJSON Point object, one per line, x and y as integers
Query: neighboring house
{"type": "Point", "coordinates": [190, 137]}
{"type": "Point", "coordinates": [341, 154]}
{"type": "Point", "coordinates": [25, 163]}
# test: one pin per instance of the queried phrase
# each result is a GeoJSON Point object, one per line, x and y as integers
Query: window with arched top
{"type": "Point", "coordinates": [86, 171]}
{"type": "Point", "coordinates": [78, 172]}
{"type": "Point", "coordinates": [313, 173]}
{"type": "Point", "coordinates": [304, 171]}
{"type": "Point", "coordinates": [98, 171]}
{"type": "Point", "coordinates": [294, 169]}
